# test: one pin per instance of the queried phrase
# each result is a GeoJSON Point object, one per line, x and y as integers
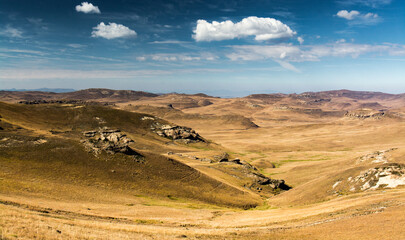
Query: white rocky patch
{"type": "Point", "coordinates": [336, 184]}
{"type": "Point", "coordinates": [386, 176]}
{"type": "Point", "coordinates": [390, 181]}
{"type": "Point", "coordinates": [376, 157]}
{"type": "Point", "coordinates": [147, 118]}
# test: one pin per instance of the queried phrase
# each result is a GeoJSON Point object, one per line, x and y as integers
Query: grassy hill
{"type": "Point", "coordinates": [61, 158]}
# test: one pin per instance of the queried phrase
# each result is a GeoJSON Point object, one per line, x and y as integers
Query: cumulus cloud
{"type": "Point", "coordinates": [261, 28]}
{"type": "Point", "coordinates": [86, 7]}
{"type": "Point", "coordinates": [300, 40]}
{"type": "Point", "coordinates": [348, 15]}
{"type": "Point", "coordinates": [355, 17]}
{"type": "Point", "coordinates": [11, 32]}
{"type": "Point", "coordinates": [286, 53]}
{"type": "Point", "coordinates": [112, 30]}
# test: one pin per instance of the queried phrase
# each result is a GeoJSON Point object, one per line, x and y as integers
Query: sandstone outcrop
{"type": "Point", "coordinates": [111, 141]}
{"type": "Point", "coordinates": [176, 132]}
{"type": "Point", "coordinates": [390, 175]}
{"type": "Point", "coordinates": [260, 180]}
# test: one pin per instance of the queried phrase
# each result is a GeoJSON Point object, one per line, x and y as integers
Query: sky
{"type": "Point", "coordinates": [223, 48]}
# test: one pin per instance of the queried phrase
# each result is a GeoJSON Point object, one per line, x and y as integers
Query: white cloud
{"type": "Point", "coordinates": [285, 53]}
{"type": "Point", "coordinates": [355, 17]}
{"type": "Point", "coordinates": [11, 32]}
{"type": "Point", "coordinates": [257, 52]}
{"type": "Point", "coordinates": [300, 40]}
{"type": "Point", "coordinates": [261, 28]}
{"type": "Point", "coordinates": [86, 7]}
{"type": "Point", "coordinates": [348, 15]}
{"type": "Point", "coordinates": [112, 30]}
{"type": "Point", "coordinates": [370, 15]}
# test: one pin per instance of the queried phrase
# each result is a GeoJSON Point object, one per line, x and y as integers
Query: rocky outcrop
{"type": "Point", "coordinates": [389, 175]}
{"type": "Point", "coordinates": [260, 180]}
{"type": "Point", "coordinates": [237, 161]}
{"type": "Point", "coordinates": [364, 114]}
{"type": "Point", "coordinates": [386, 176]}
{"type": "Point", "coordinates": [108, 140]}
{"type": "Point", "coordinates": [376, 157]}
{"type": "Point", "coordinates": [176, 132]}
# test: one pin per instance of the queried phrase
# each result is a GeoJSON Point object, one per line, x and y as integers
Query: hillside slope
{"type": "Point", "coordinates": [45, 143]}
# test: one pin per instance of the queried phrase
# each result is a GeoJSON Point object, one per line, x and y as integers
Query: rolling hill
{"type": "Point", "coordinates": [121, 164]}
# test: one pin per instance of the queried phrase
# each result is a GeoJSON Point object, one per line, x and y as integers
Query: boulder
{"type": "Point", "coordinates": [176, 132]}
{"type": "Point", "coordinates": [108, 140]}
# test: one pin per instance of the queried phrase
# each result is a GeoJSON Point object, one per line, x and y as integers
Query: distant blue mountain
{"type": "Point", "coordinates": [55, 90]}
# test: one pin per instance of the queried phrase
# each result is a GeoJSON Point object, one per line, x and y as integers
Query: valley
{"type": "Point", "coordinates": [108, 164]}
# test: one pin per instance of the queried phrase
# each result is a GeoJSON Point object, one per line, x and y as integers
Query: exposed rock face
{"type": "Point", "coordinates": [389, 175]}
{"type": "Point", "coordinates": [364, 114]}
{"type": "Point", "coordinates": [147, 118]}
{"type": "Point", "coordinates": [261, 180]}
{"type": "Point", "coordinates": [108, 140]}
{"type": "Point", "coordinates": [224, 159]}
{"type": "Point", "coordinates": [176, 132]}
{"type": "Point", "coordinates": [376, 157]}
{"type": "Point", "coordinates": [386, 176]}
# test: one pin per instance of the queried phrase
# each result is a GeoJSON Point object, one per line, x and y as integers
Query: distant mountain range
{"type": "Point", "coordinates": [55, 90]}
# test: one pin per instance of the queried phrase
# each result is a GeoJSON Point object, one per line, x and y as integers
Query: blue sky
{"type": "Point", "coordinates": [227, 48]}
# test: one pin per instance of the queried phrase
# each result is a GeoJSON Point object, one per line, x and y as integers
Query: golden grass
{"type": "Point", "coordinates": [310, 152]}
